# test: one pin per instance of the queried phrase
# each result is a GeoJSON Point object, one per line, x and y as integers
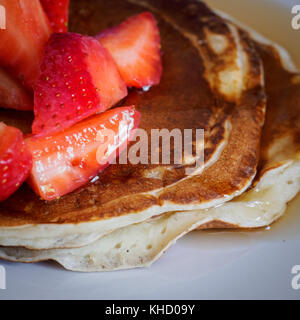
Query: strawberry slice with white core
{"type": "Point", "coordinates": [78, 79]}
{"type": "Point", "coordinates": [23, 40]}
{"type": "Point", "coordinates": [135, 46]}
{"type": "Point", "coordinates": [69, 159]}
{"type": "Point", "coordinates": [15, 160]}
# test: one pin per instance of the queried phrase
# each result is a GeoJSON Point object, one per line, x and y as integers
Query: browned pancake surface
{"type": "Point", "coordinates": [283, 92]}
{"type": "Point", "coordinates": [183, 100]}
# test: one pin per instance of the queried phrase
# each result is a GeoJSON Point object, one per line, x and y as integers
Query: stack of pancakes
{"type": "Point", "coordinates": [243, 90]}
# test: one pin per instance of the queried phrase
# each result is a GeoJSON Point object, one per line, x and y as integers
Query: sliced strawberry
{"type": "Point", "coordinates": [135, 46]}
{"type": "Point", "coordinates": [78, 78]}
{"type": "Point", "coordinates": [15, 160]}
{"type": "Point", "coordinates": [69, 159]}
{"type": "Point", "coordinates": [58, 13]}
{"type": "Point", "coordinates": [22, 42]}
{"type": "Point", "coordinates": [13, 94]}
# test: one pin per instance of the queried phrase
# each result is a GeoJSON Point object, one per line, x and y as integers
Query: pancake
{"type": "Point", "coordinates": [276, 183]}
{"type": "Point", "coordinates": [212, 80]}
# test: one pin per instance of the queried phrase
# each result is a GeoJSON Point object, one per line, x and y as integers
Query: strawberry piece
{"type": "Point", "coordinates": [22, 42]}
{"type": "Point", "coordinates": [69, 159]}
{"type": "Point", "coordinates": [135, 46]}
{"type": "Point", "coordinates": [15, 160]}
{"type": "Point", "coordinates": [58, 14]}
{"type": "Point", "coordinates": [13, 94]}
{"type": "Point", "coordinates": [78, 79]}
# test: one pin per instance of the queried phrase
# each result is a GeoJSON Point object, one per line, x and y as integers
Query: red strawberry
{"type": "Point", "coordinates": [13, 94]}
{"type": "Point", "coordinates": [78, 78]}
{"type": "Point", "coordinates": [15, 160]}
{"type": "Point", "coordinates": [135, 46]}
{"type": "Point", "coordinates": [58, 13]}
{"type": "Point", "coordinates": [22, 42]}
{"type": "Point", "coordinates": [70, 159]}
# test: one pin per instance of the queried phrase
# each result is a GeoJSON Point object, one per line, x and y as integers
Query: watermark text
{"type": "Point", "coordinates": [159, 146]}
{"type": "Point", "coordinates": [2, 18]}
{"type": "Point", "coordinates": [296, 19]}
{"type": "Point", "coordinates": [2, 278]}
{"type": "Point", "coordinates": [296, 279]}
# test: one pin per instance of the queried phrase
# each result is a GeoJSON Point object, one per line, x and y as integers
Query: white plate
{"type": "Point", "coordinates": [203, 265]}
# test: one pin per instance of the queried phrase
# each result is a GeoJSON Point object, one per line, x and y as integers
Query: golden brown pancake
{"type": "Point", "coordinates": [212, 80]}
{"type": "Point", "coordinates": [277, 182]}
